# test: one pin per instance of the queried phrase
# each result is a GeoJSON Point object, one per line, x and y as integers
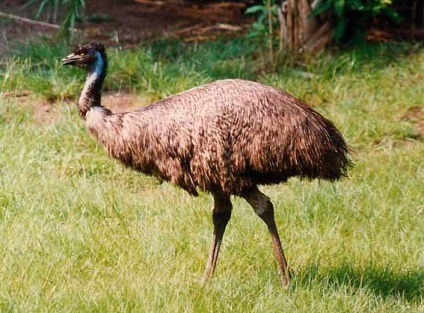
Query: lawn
{"type": "Point", "coordinates": [81, 233]}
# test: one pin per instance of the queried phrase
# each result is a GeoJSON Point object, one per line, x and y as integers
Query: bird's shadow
{"type": "Point", "coordinates": [380, 281]}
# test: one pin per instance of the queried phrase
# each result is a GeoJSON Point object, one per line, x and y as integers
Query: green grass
{"type": "Point", "coordinates": [80, 233]}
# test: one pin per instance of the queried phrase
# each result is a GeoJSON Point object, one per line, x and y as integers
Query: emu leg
{"type": "Point", "coordinates": [221, 215]}
{"type": "Point", "coordinates": [265, 210]}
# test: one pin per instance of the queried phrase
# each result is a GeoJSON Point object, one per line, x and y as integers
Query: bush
{"type": "Point", "coordinates": [351, 17]}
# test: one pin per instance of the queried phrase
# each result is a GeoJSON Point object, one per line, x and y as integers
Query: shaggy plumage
{"type": "Point", "coordinates": [225, 137]}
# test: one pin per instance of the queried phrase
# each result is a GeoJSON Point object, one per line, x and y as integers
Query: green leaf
{"type": "Point", "coordinates": [339, 7]}
{"type": "Point", "coordinates": [322, 7]}
{"type": "Point", "coordinates": [339, 30]}
{"type": "Point", "coordinates": [256, 9]}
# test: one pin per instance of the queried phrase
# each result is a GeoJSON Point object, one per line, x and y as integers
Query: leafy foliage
{"type": "Point", "coordinates": [71, 9]}
{"type": "Point", "coordinates": [259, 27]}
{"type": "Point", "coordinates": [263, 27]}
{"type": "Point", "coordinates": [351, 17]}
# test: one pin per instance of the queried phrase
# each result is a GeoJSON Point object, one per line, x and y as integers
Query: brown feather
{"type": "Point", "coordinates": [225, 136]}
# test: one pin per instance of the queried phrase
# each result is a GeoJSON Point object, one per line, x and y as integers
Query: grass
{"type": "Point", "coordinates": [80, 233]}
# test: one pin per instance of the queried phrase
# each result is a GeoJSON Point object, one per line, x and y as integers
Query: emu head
{"type": "Point", "coordinates": [89, 57]}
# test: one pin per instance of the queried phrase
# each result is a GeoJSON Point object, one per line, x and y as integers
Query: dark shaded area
{"type": "Point", "coordinates": [411, 11]}
{"type": "Point", "coordinates": [381, 281]}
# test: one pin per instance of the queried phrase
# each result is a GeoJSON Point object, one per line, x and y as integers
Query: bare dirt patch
{"type": "Point", "coordinates": [44, 112]}
{"type": "Point", "coordinates": [41, 112]}
{"type": "Point", "coordinates": [123, 102]}
{"type": "Point", "coordinates": [128, 22]}
{"type": "Point", "coordinates": [415, 115]}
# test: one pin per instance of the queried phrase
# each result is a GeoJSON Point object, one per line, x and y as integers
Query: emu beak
{"type": "Point", "coordinates": [71, 59]}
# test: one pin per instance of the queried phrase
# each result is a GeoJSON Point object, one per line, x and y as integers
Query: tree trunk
{"type": "Point", "coordinates": [300, 31]}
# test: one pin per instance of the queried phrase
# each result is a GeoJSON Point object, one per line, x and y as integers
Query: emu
{"type": "Point", "coordinates": [225, 137]}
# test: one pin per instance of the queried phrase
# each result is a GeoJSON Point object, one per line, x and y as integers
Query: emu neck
{"type": "Point", "coordinates": [91, 94]}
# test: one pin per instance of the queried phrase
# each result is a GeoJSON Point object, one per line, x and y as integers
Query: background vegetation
{"type": "Point", "coordinates": [80, 233]}
{"type": "Point", "coordinates": [349, 19]}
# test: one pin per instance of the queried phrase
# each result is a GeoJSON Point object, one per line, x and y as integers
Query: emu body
{"type": "Point", "coordinates": [226, 137]}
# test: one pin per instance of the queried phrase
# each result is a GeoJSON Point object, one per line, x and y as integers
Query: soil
{"type": "Point", "coordinates": [127, 22]}
{"type": "Point", "coordinates": [415, 115]}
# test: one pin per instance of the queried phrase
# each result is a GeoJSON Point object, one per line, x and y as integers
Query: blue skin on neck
{"type": "Point", "coordinates": [98, 65]}
{"type": "Point", "coordinates": [91, 94]}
